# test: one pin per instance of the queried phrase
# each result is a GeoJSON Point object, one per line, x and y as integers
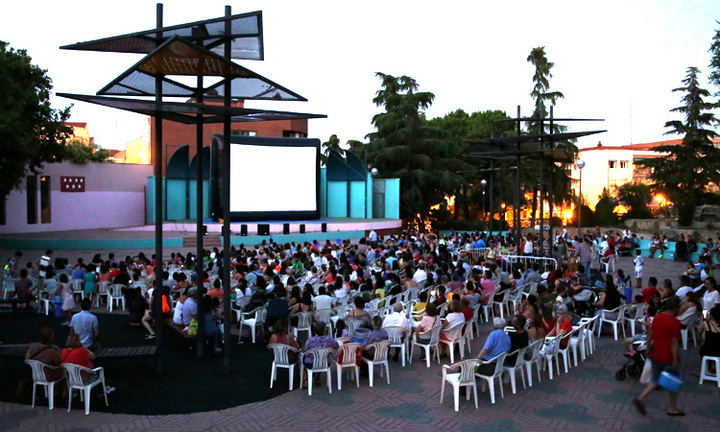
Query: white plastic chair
{"type": "Point", "coordinates": [323, 316]}
{"type": "Point", "coordinates": [610, 263]}
{"type": "Point", "coordinates": [102, 291]}
{"type": "Point", "coordinates": [517, 365]}
{"type": "Point", "coordinates": [282, 360]}
{"type": "Point", "coordinates": [349, 360]}
{"type": "Point", "coordinates": [77, 287]}
{"type": "Point", "coordinates": [533, 356]}
{"type": "Point", "coordinates": [704, 370]}
{"type": "Point", "coordinates": [497, 375]}
{"type": "Point", "coordinates": [8, 286]}
{"type": "Point", "coordinates": [565, 352]}
{"type": "Point", "coordinates": [619, 321]}
{"type": "Point", "coordinates": [75, 379]}
{"type": "Point", "coordinates": [457, 332]}
{"type": "Point", "coordinates": [488, 309]}
{"type": "Point", "coordinates": [380, 358]}
{"type": "Point", "coordinates": [432, 343]}
{"type": "Point", "coordinates": [352, 324]}
{"type": "Point", "coordinates": [551, 355]}
{"type": "Point", "coordinates": [464, 378]}
{"type": "Point", "coordinates": [466, 335]}
{"type": "Point", "coordinates": [40, 379]}
{"type": "Point", "coordinates": [416, 317]}
{"type": "Point", "coordinates": [476, 321]}
{"type": "Point", "coordinates": [321, 364]}
{"type": "Point", "coordinates": [637, 318]}
{"type": "Point", "coordinates": [252, 319]}
{"type": "Point", "coordinates": [398, 339]}
{"type": "Point", "coordinates": [504, 304]}
{"type": "Point", "coordinates": [116, 296]}
{"type": "Point", "coordinates": [304, 321]}
{"type": "Point", "coordinates": [577, 343]}
{"type": "Point", "coordinates": [689, 329]}
{"type": "Point", "coordinates": [591, 325]}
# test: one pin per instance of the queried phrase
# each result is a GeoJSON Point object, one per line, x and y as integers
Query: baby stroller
{"type": "Point", "coordinates": [634, 364]}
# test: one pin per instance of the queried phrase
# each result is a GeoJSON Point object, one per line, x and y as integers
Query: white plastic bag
{"type": "Point", "coordinates": [646, 374]}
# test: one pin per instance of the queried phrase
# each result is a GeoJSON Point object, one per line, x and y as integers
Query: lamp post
{"type": "Point", "coordinates": [580, 165]}
{"type": "Point", "coordinates": [483, 183]}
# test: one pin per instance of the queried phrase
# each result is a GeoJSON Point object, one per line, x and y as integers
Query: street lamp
{"type": "Point", "coordinates": [483, 183]}
{"type": "Point", "coordinates": [580, 165]}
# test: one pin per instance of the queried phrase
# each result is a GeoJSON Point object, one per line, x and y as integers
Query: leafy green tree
{"type": "Point", "coordinates": [715, 61]}
{"type": "Point", "coordinates": [80, 153]}
{"type": "Point", "coordinates": [31, 132]}
{"type": "Point", "coordinates": [406, 147]}
{"type": "Point", "coordinates": [636, 196]}
{"type": "Point", "coordinates": [604, 214]}
{"type": "Point", "coordinates": [332, 144]}
{"type": "Point", "coordinates": [684, 176]}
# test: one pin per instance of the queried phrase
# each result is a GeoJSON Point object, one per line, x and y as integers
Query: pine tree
{"type": "Point", "coordinates": [692, 166]}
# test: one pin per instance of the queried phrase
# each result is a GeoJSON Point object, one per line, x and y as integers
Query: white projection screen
{"type": "Point", "coordinates": [273, 178]}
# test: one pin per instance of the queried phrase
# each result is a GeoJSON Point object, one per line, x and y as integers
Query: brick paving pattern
{"type": "Point", "coordinates": [588, 399]}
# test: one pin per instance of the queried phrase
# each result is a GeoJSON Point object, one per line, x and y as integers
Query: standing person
{"type": "Point", "coordinates": [90, 285]}
{"type": "Point", "coordinates": [85, 325]}
{"type": "Point", "coordinates": [639, 262]}
{"type": "Point", "coordinates": [584, 253]}
{"type": "Point", "coordinates": [664, 352]}
{"type": "Point", "coordinates": [65, 291]}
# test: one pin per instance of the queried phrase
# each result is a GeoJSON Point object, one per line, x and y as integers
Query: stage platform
{"type": "Point", "coordinates": [181, 235]}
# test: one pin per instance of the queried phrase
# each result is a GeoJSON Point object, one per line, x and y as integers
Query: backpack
{"type": "Point", "coordinates": [165, 305]}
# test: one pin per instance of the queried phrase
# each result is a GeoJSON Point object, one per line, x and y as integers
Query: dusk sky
{"type": "Point", "coordinates": [616, 60]}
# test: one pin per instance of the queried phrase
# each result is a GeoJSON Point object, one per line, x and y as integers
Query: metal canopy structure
{"type": "Point", "coordinates": [245, 38]}
{"type": "Point", "coordinates": [187, 112]}
{"type": "Point", "coordinates": [529, 147]}
{"type": "Point", "coordinates": [198, 49]}
{"type": "Point", "coordinates": [179, 57]}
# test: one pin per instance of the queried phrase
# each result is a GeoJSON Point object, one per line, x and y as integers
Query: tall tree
{"type": "Point", "coordinates": [406, 147]}
{"type": "Point", "coordinates": [541, 93]}
{"type": "Point", "coordinates": [637, 196]}
{"type": "Point", "coordinates": [332, 144]}
{"type": "Point", "coordinates": [715, 61]}
{"type": "Point", "coordinates": [695, 163]}
{"type": "Point", "coordinates": [31, 132]}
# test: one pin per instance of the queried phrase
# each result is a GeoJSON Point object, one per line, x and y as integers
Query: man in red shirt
{"type": "Point", "coordinates": [649, 292]}
{"type": "Point", "coordinates": [664, 352]}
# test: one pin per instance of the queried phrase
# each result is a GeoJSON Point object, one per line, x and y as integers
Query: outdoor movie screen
{"type": "Point", "coordinates": [274, 178]}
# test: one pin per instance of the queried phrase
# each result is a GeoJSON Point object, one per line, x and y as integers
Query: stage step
{"type": "Point", "coordinates": [208, 241]}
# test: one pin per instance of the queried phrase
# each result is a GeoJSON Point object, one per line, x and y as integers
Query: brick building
{"type": "Point", "coordinates": [176, 135]}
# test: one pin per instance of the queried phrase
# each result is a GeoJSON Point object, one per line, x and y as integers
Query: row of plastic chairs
{"type": "Point", "coordinates": [78, 378]}
{"type": "Point", "coordinates": [322, 363]}
{"type": "Point", "coordinates": [580, 341]}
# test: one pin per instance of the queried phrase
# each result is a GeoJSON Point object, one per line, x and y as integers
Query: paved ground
{"type": "Point", "coordinates": [588, 398]}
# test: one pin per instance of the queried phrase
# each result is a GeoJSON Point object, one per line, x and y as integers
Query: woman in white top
{"type": "Point", "coordinates": [452, 327]}
{"type": "Point", "coordinates": [711, 297]}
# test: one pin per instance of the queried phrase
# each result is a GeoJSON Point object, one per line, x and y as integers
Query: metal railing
{"type": "Point", "coordinates": [545, 263]}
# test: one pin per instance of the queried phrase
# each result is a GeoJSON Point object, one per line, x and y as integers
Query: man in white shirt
{"type": "Point", "coordinates": [322, 300]}
{"type": "Point", "coordinates": [397, 318]}
{"type": "Point", "coordinates": [420, 275]}
{"type": "Point", "coordinates": [685, 288]}
{"type": "Point", "coordinates": [373, 236]}
{"type": "Point", "coordinates": [85, 324]}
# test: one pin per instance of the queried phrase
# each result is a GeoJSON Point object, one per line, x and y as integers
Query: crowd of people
{"type": "Point", "coordinates": [296, 278]}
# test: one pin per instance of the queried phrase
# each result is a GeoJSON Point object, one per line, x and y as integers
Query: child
{"type": "Point", "coordinates": [639, 261]}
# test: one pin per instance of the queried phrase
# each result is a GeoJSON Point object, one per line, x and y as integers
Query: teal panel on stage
{"type": "Point", "coordinates": [176, 196]}
{"type": "Point", "coordinates": [193, 199]}
{"type": "Point", "coordinates": [369, 197]}
{"type": "Point", "coordinates": [392, 198]}
{"type": "Point", "coordinates": [357, 199]}
{"type": "Point", "coordinates": [150, 199]}
{"type": "Point", "coordinates": [337, 199]}
{"type": "Point", "coordinates": [297, 238]}
{"type": "Point", "coordinates": [323, 192]}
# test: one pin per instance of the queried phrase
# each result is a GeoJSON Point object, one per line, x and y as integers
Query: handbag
{"type": "Point", "coordinates": [646, 374]}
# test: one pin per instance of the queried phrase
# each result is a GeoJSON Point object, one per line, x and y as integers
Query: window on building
{"type": "Point", "coordinates": [244, 132]}
{"type": "Point", "coordinates": [32, 199]}
{"type": "Point", "coordinates": [293, 134]}
{"type": "Point", "coordinates": [623, 164]}
{"type": "Point", "coordinates": [45, 209]}
{"type": "Point", "coordinates": [612, 164]}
